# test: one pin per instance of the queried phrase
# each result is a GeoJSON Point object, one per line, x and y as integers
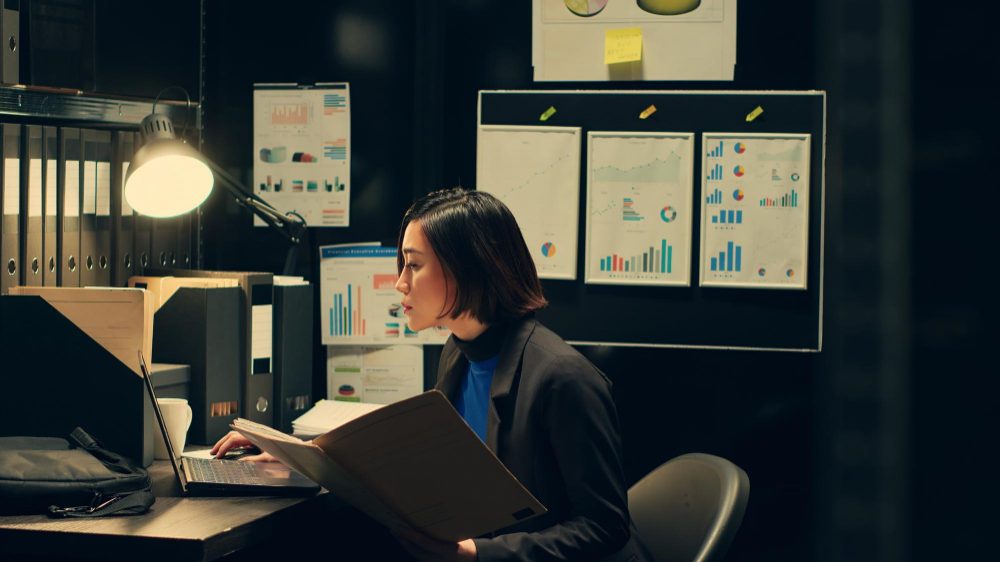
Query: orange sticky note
{"type": "Point", "coordinates": [622, 45]}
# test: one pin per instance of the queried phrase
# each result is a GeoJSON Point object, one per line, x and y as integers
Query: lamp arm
{"type": "Point", "coordinates": [290, 225]}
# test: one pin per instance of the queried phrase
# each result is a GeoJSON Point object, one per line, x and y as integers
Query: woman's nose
{"type": "Point", "coordinates": [402, 286]}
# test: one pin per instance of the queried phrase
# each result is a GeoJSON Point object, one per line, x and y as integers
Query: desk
{"type": "Point", "coordinates": [176, 528]}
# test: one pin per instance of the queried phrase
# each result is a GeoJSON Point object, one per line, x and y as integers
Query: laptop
{"type": "Point", "coordinates": [220, 477]}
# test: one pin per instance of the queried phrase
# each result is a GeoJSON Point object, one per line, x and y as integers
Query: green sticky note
{"type": "Point", "coordinates": [548, 113]}
{"type": "Point", "coordinates": [755, 113]}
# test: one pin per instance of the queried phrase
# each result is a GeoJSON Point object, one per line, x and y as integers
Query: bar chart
{"type": "Point", "coordinates": [728, 260]}
{"type": "Point", "coordinates": [728, 217]}
{"type": "Point", "coordinates": [790, 199]}
{"type": "Point", "coordinates": [652, 260]}
{"type": "Point", "coordinates": [345, 314]}
{"type": "Point", "coordinates": [716, 152]}
{"type": "Point", "coordinates": [714, 198]}
{"type": "Point", "coordinates": [629, 214]}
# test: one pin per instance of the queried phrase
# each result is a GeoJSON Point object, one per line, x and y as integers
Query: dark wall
{"type": "Point", "coordinates": [867, 451]}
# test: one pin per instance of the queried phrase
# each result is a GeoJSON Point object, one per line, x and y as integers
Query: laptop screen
{"type": "Point", "coordinates": [163, 426]}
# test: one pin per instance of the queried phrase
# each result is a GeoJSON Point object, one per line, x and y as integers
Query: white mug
{"type": "Point", "coordinates": [177, 417]}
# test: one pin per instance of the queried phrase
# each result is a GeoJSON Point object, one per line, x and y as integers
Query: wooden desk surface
{"type": "Point", "coordinates": [176, 528]}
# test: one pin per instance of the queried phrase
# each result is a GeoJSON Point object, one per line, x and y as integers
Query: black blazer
{"type": "Point", "coordinates": [553, 423]}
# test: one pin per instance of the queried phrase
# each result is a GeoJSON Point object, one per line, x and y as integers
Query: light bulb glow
{"type": "Point", "coordinates": [168, 185]}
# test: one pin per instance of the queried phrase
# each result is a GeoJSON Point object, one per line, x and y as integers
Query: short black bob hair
{"type": "Point", "coordinates": [481, 248]}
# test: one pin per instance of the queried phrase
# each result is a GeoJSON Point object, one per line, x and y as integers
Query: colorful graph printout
{"type": "Point", "coordinates": [301, 151]}
{"type": "Point", "coordinates": [755, 210]}
{"type": "Point", "coordinates": [359, 303]}
{"type": "Point", "coordinates": [374, 374]}
{"type": "Point", "coordinates": [535, 171]}
{"type": "Point", "coordinates": [639, 208]}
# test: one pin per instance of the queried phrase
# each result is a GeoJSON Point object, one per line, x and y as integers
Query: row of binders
{"type": "Point", "coordinates": [64, 219]}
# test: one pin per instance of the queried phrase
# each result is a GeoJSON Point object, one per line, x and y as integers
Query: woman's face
{"type": "Point", "coordinates": [426, 294]}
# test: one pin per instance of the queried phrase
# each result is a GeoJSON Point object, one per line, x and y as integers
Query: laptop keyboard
{"type": "Point", "coordinates": [222, 472]}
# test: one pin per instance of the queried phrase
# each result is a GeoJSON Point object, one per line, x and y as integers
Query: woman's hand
{"type": "Point", "coordinates": [425, 548]}
{"type": "Point", "coordinates": [233, 440]}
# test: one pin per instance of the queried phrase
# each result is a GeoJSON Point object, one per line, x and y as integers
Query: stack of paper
{"type": "Point", "coordinates": [327, 415]}
{"type": "Point", "coordinates": [163, 288]}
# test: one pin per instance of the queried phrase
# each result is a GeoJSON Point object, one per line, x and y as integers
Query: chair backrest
{"type": "Point", "coordinates": [689, 508]}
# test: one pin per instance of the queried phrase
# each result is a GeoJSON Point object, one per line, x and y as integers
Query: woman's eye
{"type": "Point", "coordinates": [412, 266]}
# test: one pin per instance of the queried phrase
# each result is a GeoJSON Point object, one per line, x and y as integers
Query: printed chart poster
{"type": "Point", "coordinates": [301, 151]}
{"type": "Point", "coordinates": [535, 171]}
{"type": "Point", "coordinates": [639, 208]}
{"type": "Point", "coordinates": [359, 303]}
{"type": "Point", "coordinates": [378, 375]}
{"type": "Point", "coordinates": [755, 210]}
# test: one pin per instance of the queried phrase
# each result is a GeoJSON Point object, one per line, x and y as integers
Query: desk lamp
{"type": "Point", "coordinates": [168, 177]}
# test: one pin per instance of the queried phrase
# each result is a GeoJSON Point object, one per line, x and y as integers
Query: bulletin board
{"type": "Point", "coordinates": [704, 312]}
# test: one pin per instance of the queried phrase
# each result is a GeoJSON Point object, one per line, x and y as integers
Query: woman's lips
{"type": "Point", "coordinates": [407, 308]}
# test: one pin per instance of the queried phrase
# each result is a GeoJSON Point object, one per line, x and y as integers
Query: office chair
{"type": "Point", "coordinates": [689, 508]}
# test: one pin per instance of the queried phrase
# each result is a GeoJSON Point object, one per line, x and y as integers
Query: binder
{"type": "Point", "coordinates": [70, 195]}
{"type": "Point", "coordinates": [185, 251]}
{"type": "Point", "coordinates": [293, 352]}
{"type": "Point", "coordinates": [142, 239]}
{"type": "Point", "coordinates": [257, 378]}
{"type": "Point", "coordinates": [163, 242]}
{"type": "Point", "coordinates": [31, 206]}
{"type": "Point", "coordinates": [123, 217]}
{"type": "Point", "coordinates": [10, 55]}
{"type": "Point", "coordinates": [95, 229]}
{"type": "Point", "coordinates": [10, 214]}
{"type": "Point", "coordinates": [199, 326]}
{"type": "Point", "coordinates": [50, 198]}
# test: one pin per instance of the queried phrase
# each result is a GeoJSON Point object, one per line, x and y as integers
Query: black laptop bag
{"type": "Point", "coordinates": [48, 475]}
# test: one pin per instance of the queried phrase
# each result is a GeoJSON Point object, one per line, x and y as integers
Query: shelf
{"type": "Point", "coordinates": [65, 105]}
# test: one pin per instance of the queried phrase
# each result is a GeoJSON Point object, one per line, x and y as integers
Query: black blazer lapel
{"type": "Point", "coordinates": [506, 371]}
{"type": "Point", "coordinates": [451, 368]}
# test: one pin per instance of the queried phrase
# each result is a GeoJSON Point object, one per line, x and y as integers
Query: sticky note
{"type": "Point", "coordinates": [755, 113]}
{"type": "Point", "coordinates": [622, 45]}
{"type": "Point", "coordinates": [647, 112]}
{"type": "Point", "coordinates": [548, 113]}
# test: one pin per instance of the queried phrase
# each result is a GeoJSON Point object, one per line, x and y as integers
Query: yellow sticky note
{"type": "Point", "coordinates": [622, 45]}
{"type": "Point", "coordinates": [647, 112]}
{"type": "Point", "coordinates": [548, 113]}
{"type": "Point", "coordinates": [755, 113]}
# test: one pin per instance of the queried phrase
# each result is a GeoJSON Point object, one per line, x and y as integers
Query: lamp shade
{"type": "Point", "coordinates": [167, 177]}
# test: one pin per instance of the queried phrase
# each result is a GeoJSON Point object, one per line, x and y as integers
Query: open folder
{"type": "Point", "coordinates": [411, 464]}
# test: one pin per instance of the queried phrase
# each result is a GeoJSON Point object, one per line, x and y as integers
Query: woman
{"type": "Point", "coordinates": [540, 406]}
{"type": "Point", "coordinates": [543, 408]}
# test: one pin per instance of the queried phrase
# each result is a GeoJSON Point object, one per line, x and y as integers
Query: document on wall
{"type": "Point", "coordinates": [380, 375]}
{"type": "Point", "coordinates": [575, 40]}
{"type": "Point", "coordinates": [301, 150]}
{"type": "Point", "coordinates": [640, 208]}
{"type": "Point", "coordinates": [535, 171]}
{"type": "Point", "coordinates": [359, 303]}
{"type": "Point", "coordinates": [755, 210]}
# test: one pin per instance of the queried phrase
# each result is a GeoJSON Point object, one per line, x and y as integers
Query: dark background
{"type": "Point", "coordinates": [874, 449]}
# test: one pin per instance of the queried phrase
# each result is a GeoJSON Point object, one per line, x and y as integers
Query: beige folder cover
{"type": "Point", "coordinates": [119, 319]}
{"type": "Point", "coordinates": [163, 288]}
{"type": "Point", "coordinates": [414, 463]}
